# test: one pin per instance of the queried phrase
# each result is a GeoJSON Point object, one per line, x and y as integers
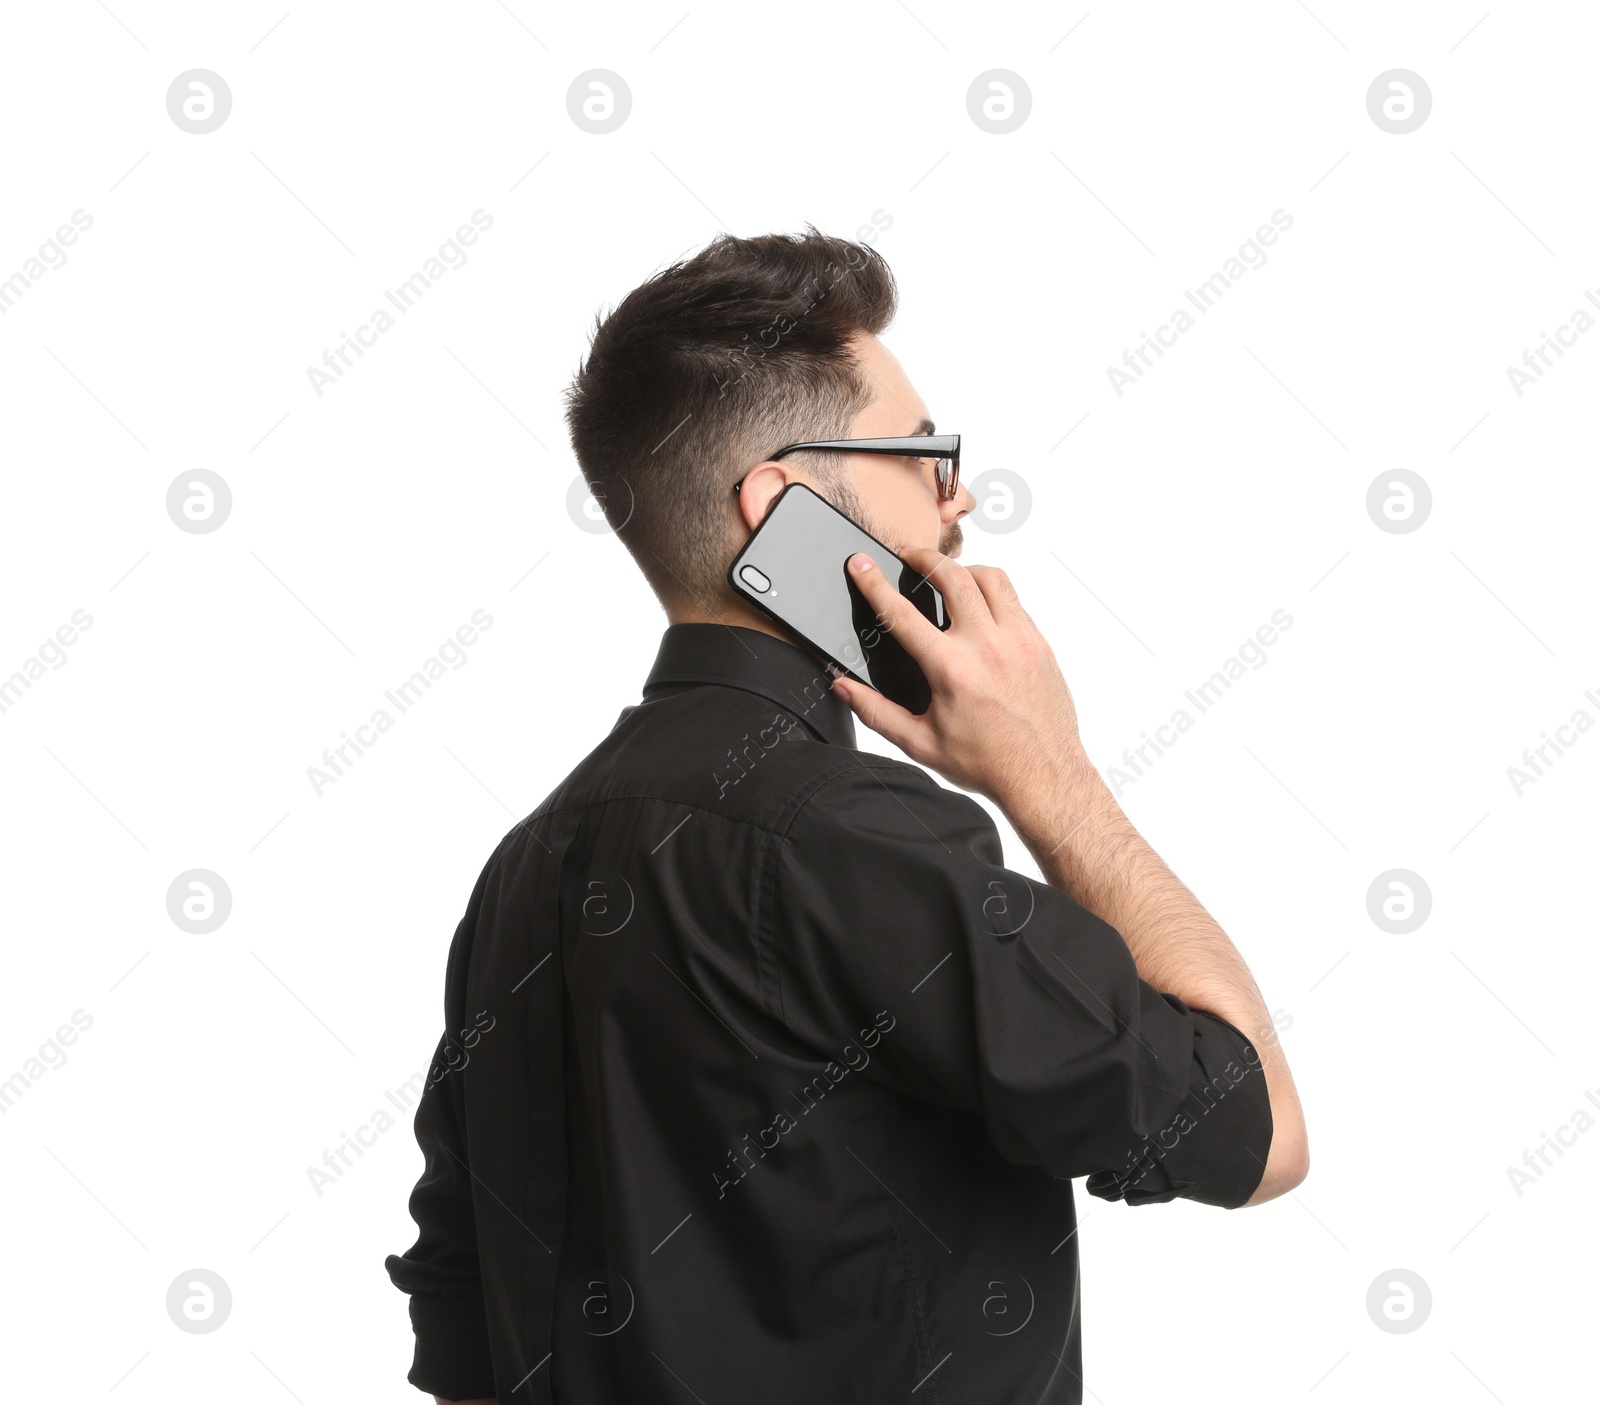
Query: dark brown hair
{"type": "Point", "coordinates": [700, 373]}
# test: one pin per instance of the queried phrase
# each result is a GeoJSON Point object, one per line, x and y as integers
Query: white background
{"type": "Point", "coordinates": [430, 481]}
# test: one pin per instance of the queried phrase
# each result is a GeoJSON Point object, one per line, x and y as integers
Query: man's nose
{"type": "Point", "coordinates": [954, 509]}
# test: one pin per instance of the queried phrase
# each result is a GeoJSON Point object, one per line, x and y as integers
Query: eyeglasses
{"type": "Point", "coordinates": [944, 449]}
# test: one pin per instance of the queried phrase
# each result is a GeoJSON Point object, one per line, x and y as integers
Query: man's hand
{"type": "Point", "coordinates": [1002, 721]}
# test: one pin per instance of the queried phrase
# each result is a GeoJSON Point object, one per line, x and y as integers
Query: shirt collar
{"type": "Point", "coordinates": [731, 656]}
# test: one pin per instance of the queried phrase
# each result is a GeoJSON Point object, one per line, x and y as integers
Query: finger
{"type": "Point", "coordinates": [895, 613]}
{"type": "Point", "coordinates": [1001, 596]}
{"type": "Point", "coordinates": [964, 600]}
{"type": "Point", "coordinates": [889, 720]}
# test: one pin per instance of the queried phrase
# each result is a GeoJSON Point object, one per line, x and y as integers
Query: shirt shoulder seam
{"type": "Point", "coordinates": [860, 760]}
{"type": "Point", "coordinates": [544, 812]}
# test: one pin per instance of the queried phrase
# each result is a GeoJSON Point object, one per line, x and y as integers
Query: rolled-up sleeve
{"type": "Point", "coordinates": [1007, 999]}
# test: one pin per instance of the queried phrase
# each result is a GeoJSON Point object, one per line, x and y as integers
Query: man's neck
{"type": "Point", "coordinates": [734, 614]}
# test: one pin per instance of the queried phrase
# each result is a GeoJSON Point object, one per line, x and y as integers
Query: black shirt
{"type": "Point", "coordinates": [763, 1080]}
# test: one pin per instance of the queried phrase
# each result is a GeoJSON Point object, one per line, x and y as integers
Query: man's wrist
{"type": "Point", "coordinates": [1060, 805]}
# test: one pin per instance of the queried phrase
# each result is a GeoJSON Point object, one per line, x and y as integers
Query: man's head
{"type": "Point", "coordinates": [719, 361]}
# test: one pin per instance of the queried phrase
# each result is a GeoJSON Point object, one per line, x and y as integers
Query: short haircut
{"type": "Point", "coordinates": [706, 369]}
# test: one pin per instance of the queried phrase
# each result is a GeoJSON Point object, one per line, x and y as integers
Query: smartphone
{"type": "Point", "coordinates": [793, 570]}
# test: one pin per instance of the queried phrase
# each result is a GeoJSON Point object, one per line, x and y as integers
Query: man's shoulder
{"type": "Point", "coordinates": [864, 790]}
{"type": "Point", "coordinates": [745, 758]}
{"type": "Point", "coordinates": [720, 750]}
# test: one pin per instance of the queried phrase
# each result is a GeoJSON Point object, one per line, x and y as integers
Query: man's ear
{"type": "Point", "coordinates": [760, 486]}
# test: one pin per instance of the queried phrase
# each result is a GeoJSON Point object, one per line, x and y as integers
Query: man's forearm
{"type": "Point", "coordinates": [1088, 848]}
{"type": "Point", "coordinates": [997, 692]}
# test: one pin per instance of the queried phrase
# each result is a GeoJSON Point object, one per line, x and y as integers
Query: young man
{"type": "Point", "coordinates": [762, 1077]}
